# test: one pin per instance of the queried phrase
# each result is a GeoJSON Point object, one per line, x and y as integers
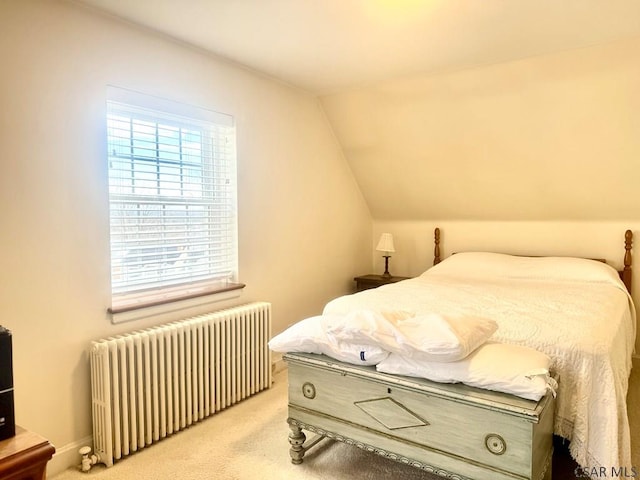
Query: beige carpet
{"type": "Point", "coordinates": [249, 441]}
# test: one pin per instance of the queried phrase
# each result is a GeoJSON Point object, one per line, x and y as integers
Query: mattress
{"type": "Point", "coordinates": [576, 311]}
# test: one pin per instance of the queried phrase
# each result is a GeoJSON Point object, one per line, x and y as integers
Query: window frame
{"type": "Point", "coordinates": [176, 285]}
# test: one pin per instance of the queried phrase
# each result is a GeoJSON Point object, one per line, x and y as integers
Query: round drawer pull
{"type": "Point", "coordinates": [495, 444]}
{"type": "Point", "coordinates": [309, 390]}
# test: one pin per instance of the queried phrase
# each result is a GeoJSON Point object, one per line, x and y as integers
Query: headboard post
{"type": "Point", "coordinates": [626, 271]}
{"type": "Point", "coordinates": [436, 249]}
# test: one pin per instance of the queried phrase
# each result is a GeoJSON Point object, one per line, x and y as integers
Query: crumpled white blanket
{"type": "Point", "coordinates": [587, 328]}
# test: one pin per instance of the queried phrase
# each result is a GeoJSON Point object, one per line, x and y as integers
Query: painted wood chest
{"type": "Point", "coordinates": [452, 430]}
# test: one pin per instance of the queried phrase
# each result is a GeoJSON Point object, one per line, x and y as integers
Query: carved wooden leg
{"type": "Point", "coordinates": [296, 439]}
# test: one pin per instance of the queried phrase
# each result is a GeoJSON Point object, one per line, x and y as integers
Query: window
{"type": "Point", "coordinates": [172, 199]}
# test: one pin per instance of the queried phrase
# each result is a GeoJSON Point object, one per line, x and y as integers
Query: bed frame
{"type": "Point", "coordinates": [625, 273]}
{"type": "Point", "coordinates": [451, 430]}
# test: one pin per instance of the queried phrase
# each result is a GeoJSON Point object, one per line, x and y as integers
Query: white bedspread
{"type": "Point", "coordinates": [587, 328]}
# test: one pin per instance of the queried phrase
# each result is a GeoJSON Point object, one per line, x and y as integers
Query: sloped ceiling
{"type": "Point", "coordinates": [554, 137]}
{"type": "Point", "coordinates": [452, 109]}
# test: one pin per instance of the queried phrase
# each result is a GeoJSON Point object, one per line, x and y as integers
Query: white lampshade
{"type": "Point", "coordinates": [386, 243]}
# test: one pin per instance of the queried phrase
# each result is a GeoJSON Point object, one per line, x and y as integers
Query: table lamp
{"type": "Point", "coordinates": [386, 245]}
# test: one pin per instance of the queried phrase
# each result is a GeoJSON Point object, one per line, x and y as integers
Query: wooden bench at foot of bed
{"type": "Point", "coordinates": [455, 431]}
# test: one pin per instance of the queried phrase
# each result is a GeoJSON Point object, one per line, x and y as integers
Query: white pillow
{"type": "Point", "coordinates": [472, 264]}
{"type": "Point", "coordinates": [568, 269]}
{"type": "Point", "coordinates": [487, 264]}
{"type": "Point", "coordinates": [309, 336]}
{"type": "Point", "coordinates": [366, 327]}
{"type": "Point", "coordinates": [429, 337]}
{"type": "Point", "coordinates": [502, 367]}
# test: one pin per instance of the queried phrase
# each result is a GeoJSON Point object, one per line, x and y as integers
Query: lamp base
{"type": "Point", "coordinates": [386, 273]}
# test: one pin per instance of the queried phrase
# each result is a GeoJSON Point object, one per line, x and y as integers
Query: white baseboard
{"type": "Point", "coordinates": [279, 366]}
{"type": "Point", "coordinates": [277, 363]}
{"type": "Point", "coordinates": [67, 457]}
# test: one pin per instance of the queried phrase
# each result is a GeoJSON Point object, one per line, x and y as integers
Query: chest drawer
{"type": "Point", "coordinates": [445, 420]}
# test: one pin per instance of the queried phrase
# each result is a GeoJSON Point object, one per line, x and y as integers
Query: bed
{"type": "Point", "coordinates": [578, 312]}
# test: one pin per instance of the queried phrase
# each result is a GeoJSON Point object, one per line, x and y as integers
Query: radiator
{"type": "Point", "coordinates": [151, 383]}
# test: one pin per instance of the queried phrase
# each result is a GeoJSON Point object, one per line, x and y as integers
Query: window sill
{"type": "Point", "coordinates": [150, 307]}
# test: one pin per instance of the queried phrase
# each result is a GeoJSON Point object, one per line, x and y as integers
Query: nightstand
{"type": "Point", "coordinates": [24, 456]}
{"type": "Point", "coordinates": [364, 282]}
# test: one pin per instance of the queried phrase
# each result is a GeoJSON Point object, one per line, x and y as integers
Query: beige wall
{"type": "Point", "coordinates": [553, 137]}
{"type": "Point", "coordinates": [536, 156]}
{"type": "Point", "coordinates": [302, 219]}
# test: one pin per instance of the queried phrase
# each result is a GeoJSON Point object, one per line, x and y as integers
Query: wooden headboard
{"type": "Point", "coordinates": [625, 273]}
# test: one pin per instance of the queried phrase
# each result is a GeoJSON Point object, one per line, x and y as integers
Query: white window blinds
{"type": "Point", "coordinates": [172, 198]}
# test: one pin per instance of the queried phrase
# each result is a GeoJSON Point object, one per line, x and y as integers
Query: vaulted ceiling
{"type": "Point", "coordinates": [330, 45]}
{"type": "Point", "coordinates": [496, 109]}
